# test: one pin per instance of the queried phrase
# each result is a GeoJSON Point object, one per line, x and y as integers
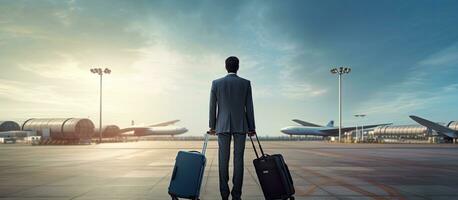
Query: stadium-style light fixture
{"type": "Point", "coordinates": [362, 126]}
{"type": "Point", "coordinates": [100, 72]}
{"type": "Point", "coordinates": [339, 71]}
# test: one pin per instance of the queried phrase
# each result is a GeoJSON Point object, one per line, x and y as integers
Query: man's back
{"type": "Point", "coordinates": [231, 105]}
{"type": "Point", "coordinates": [232, 117]}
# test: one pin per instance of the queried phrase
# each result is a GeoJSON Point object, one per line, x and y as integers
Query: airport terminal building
{"type": "Point", "coordinates": [401, 133]}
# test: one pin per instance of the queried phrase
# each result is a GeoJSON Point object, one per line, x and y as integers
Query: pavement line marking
{"type": "Point", "coordinates": [388, 160]}
{"type": "Point", "coordinates": [167, 163]}
{"type": "Point", "coordinates": [317, 184]}
{"type": "Point", "coordinates": [390, 190]}
{"type": "Point", "coordinates": [208, 174]}
{"type": "Point", "coordinates": [37, 186]}
{"type": "Point", "coordinates": [255, 178]}
{"type": "Point", "coordinates": [394, 161]}
{"type": "Point", "coordinates": [321, 153]}
{"type": "Point", "coordinates": [160, 180]}
{"type": "Point", "coordinates": [410, 163]}
{"type": "Point", "coordinates": [309, 192]}
{"type": "Point", "coordinates": [346, 185]}
{"type": "Point", "coordinates": [134, 154]}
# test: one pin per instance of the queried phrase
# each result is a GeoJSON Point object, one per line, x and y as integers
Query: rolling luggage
{"type": "Point", "coordinates": [273, 174]}
{"type": "Point", "coordinates": [188, 173]}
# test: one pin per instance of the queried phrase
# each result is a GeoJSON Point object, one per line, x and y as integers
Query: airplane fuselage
{"type": "Point", "coordinates": [317, 130]}
{"type": "Point", "coordinates": [165, 130]}
{"type": "Point", "coordinates": [304, 130]}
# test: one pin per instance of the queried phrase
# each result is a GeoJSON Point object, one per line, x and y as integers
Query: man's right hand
{"type": "Point", "coordinates": [211, 132]}
{"type": "Point", "coordinates": [251, 133]}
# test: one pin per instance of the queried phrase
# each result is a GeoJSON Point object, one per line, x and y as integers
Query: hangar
{"type": "Point", "coordinates": [61, 128]}
{"type": "Point", "coordinates": [9, 126]}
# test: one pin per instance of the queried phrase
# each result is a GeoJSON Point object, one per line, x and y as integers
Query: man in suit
{"type": "Point", "coordinates": [231, 116]}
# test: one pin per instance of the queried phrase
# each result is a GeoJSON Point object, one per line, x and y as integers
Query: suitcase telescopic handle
{"type": "Point", "coordinates": [254, 147]}
{"type": "Point", "coordinates": [204, 148]}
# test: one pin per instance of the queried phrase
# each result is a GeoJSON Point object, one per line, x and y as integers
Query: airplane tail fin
{"type": "Point", "coordinates": [435, 126]}
{"type": "Point", "coordinates": [330, 124]}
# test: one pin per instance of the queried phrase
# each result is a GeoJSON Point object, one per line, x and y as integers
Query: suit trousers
{"type": "Point", "coordinates": [224, 145]}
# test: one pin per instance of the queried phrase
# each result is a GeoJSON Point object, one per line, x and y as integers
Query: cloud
{"type": "Point", "coordinates": [445, 57]}
{"type": "Point", "coordinates": [300, 91]}
{"type": "Point", "coordinates": [397, 102]}
{"type": "Point", "coordinates": [40, 94]}
{"type": "Point", "coordinates": [64, 67]}
{"type": "Point", "coordinates": [297, 71]}
{"type": "Point", "coordinates": [451, 88]}
{"type": "Point", "coordinates": [427, 86]}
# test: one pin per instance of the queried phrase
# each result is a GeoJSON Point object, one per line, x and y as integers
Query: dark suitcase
{"type": "Point", "coordinates": [188, 173]}
{"type": "Point", "coordinates": [273, 174]}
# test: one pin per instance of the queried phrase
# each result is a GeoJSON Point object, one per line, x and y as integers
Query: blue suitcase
{"type": "Point", "coordinates": [188, 173]}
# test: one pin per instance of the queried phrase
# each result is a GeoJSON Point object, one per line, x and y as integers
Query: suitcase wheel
{"type": "Point", "coordinates": [291, 198]}
{"type": "Point", "coordinates": [174, 198]}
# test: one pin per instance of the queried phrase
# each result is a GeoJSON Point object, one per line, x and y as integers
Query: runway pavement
{"type": "Point", "coordinates": [141, 170]}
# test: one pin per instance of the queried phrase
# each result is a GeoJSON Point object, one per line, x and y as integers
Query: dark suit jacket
{"type": "Point", "coordinates": [231, 105]}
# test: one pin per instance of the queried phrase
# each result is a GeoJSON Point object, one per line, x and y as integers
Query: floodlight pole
{"type": "Point", "coordinates": [339, 71]}
{"type": "Point", "coordinates": [356, 130]}
{"type": "Point", "coordinates": [100, 72]}
{"type": "Point", "coordinates": [100, 110]}
{"type": "Point", "coordinates": [362, 126]}
{"type": "Point", "coordinates": [340, 107]}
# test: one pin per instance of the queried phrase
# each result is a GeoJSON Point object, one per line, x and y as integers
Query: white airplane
{"type": "Point", "coordinates": [308, 128]}
{"type": "Point", "coordinates": [163, 128]}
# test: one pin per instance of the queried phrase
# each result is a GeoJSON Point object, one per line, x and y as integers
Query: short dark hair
{"type": "Point", "coordinates": [232, 64]}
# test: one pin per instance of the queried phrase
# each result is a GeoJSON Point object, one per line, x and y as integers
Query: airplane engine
{"type": "Point", "coordinates": [140, 132]}
{"type": "Point", "coordinates": [453, 125]}
{"type": "Point", "coordinates": [108, 131]}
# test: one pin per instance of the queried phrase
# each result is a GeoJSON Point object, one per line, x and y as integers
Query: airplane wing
{"type": "Point", "coordinates": [435, 126]}
{"type": "Point", "coordinates": [165, 123]}
{"type": "Point", "coordinates": [304, 123]}
{"type": "Point", "coordinates": [335, 130]}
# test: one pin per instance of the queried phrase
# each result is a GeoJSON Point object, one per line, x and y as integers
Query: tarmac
{"type": "Point", "coordinates": [142, 170]}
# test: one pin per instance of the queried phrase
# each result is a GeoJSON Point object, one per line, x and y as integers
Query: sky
{"type": "Point", "coordinates": [164, 55]}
